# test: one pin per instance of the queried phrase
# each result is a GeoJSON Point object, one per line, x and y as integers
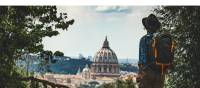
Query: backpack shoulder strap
{"type": "Point", "coordinates": [173, 46]}
{"type": "Point", "coordinates": [155, 52]}
{"type": "Point", "coordinates": [148, 47]}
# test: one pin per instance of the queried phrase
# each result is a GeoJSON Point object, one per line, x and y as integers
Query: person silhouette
{"type": "Point", "coordinates": [149, 75]}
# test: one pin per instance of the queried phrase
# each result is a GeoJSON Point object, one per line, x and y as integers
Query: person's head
{"type": "Point", "coordinates": [151, 23]}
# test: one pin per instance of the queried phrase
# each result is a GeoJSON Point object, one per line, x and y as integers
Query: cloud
{"type": "Point", "coordinates": [122, 25]}
{"type": "Point", "coordinates": [113, 9]}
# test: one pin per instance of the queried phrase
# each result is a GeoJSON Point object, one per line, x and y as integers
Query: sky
{"type": "Point", "coordinates": [121, 24]}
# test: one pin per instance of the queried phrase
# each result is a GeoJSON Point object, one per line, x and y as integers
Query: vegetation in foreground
{"type": "Point", "coordinates": [22, 29]}
{"type": "Point", "coordinates": [183, 22]}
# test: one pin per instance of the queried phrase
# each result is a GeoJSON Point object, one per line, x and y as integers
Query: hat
{"type": "Point", "coordinates": [151, 23]}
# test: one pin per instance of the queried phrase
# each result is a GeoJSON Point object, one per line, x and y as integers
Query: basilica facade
{"type": "Point", "coordinates": [105, 62]}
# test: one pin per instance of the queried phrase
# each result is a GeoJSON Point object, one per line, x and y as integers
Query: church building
{"type": "Point", "coordinates": [105, 62]}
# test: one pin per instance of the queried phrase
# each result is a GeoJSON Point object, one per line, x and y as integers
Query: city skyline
{"type": "Point", "coordinates": [121, 24]}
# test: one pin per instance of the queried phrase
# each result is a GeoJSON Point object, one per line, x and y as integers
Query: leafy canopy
{"type": "Point", "coordinates": [58, 53]}
{"type": "Point", "coordinates": [22, 29]}
{"type": "Point", "coordinates": [183, 23]}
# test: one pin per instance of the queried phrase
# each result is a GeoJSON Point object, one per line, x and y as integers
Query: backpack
{"type": "Point", "coordinates": [162, 50]}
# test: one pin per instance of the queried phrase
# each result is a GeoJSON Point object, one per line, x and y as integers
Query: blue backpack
{"type": "Point", "coordinates": [162, 48]}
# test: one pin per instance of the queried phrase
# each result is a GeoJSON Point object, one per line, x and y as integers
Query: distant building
{"type": "Point", "coordinates": [105, 62]}
{"type": "Point", "coordinates": [86, 72]}
{"type": "Point", "coordinates": [105, 68]}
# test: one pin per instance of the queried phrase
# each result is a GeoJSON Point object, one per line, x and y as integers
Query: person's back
{"type": "Point", "coordinates": [143, 49]}
{"type": "Point", "coordinates": [149, 73]}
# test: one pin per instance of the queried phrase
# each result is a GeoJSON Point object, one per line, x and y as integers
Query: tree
{"type": "Point", "coordinates": [46, 55]}
{"type": "Point", "coordinates": [93, 84]}
{"type": "Point", "coordinates": [46, 58]}
{"type": "Point", "coordinates": [58, 53]}
{"type": "Point", "coordinates": [84, 86]}
{"type": "Point", "coordinates": [22, 29]}
{"type": "Point", "coordinates": [129, 82]}
{"type": "Point", "coordinates": [183, 23]}
{"type": "Point", "coordinates": [107, 85]}
{"type": "Point", "coordinates": [119, 83]}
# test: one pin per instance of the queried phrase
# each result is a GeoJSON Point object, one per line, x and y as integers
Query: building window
{"type": "Point", "coordinates": [114, 69]}
{"type": "Point", "coordinates": [110, 67]}
{"type": "Point", "coordinates": [99, 69]}
{"type": "Point", "coordinates": [105, 68]}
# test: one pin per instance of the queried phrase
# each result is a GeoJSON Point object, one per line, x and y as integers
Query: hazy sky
{"type": "Point", "coordinates": [121, 24]}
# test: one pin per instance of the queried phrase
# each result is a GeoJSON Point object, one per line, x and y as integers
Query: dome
{"type": "Point", "coordinates": [105, 63]}
{"type": "Point", "coordinates": [105, 54]}
{"type": "Point", "coordinates": [86, 72]}
{"type": "Point", "coordinates": [86, 69]}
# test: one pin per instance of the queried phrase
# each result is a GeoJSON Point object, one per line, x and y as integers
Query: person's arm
{"type": "Point", "coordinates": [142, 53]}
{"type": "Point", "coordinates": [142, 57]}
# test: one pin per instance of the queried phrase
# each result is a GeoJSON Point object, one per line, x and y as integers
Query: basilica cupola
{"type": "Point", "coordinates": [105, 62]}
{"type": "Point", "coordinates": [105, 54]}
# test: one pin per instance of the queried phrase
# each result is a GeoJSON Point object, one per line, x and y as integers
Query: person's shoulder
{"type": "Point", "coordinates": [144, 37]}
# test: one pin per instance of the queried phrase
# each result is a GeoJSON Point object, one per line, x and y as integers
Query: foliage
{"type": "Point", "coordinates": [47, 56]}
{"type": "Point", "coordinates": [15, 82]}
{"type": "Point", "coordinates": [183, 23]}
{"type": "Point", "coordinates": [22, 29]}
{"type": "Point", "coordinates": [107, 85]}
{"type": "Point", "coordinates": [128, 83]}
{"type": "Point", "coordinates": [58, 53]}
{"type": "Point", "coordinates": [84, 86]}
{"type": "Point", "coordinates": [93, 84]}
